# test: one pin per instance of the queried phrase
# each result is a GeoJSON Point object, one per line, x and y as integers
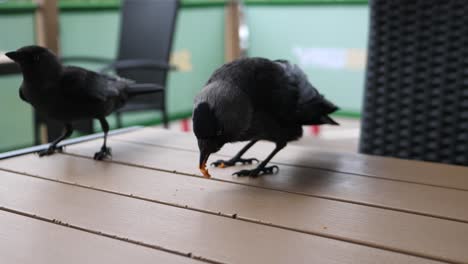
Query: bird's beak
{"type": "Point", "coordinates": [328, 120]}
{"type": "Point", "coordinates": [14, 55]}
{"type": "Point", "coordinates": [204, 155]}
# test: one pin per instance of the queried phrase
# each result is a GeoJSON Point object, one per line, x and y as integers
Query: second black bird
{"type": "Point", "coordinates": [256, 99]}
{"type": "Point", "coordinates": [67, 93]}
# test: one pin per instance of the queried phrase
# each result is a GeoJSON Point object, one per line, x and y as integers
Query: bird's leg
{"type": "Point", "coordinates": [105, 151]}
{"type": "Point", "coordinates": [53, 146]}
{"type": "Point", "coordinates": [261, 168]}
{"type": "Point", "coordinates": [237, 158]}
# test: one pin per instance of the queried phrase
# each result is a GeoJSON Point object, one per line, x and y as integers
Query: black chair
{"type": "Point", "coordinates": [416, 97]}
{"type": "Point", "coordinates": [146, 36]}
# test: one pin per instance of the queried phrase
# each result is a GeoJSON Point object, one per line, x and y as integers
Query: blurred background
{"type": "Point", "coordinates": [327, 38]}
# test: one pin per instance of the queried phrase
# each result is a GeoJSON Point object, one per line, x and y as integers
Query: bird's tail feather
{"type": "Point", "coordinates": [316, 112]}
{"type": "Point", "coordinates": [140, 89]}
{"type": "Point", "coordinates": [328, 120]}
{"type": "Point", "coordinates": [327, 106]}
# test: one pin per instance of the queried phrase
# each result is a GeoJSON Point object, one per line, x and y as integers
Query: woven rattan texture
{"type": "Point", "coordinates": [416, 98]}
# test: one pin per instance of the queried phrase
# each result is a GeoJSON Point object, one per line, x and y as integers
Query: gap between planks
{"type": "Point", "coordinates": [22, 234]}
{"type": "Point", "coordinates": [294, 165]}
{"type": "Point", "coordinates": [275, 189]}
{"type": "Point", "coordinates": [222, 223]}
{"type": "Point", "coordinates": [220, 214]}
{"type": "Point", "coordinates": [151, 136]}
{"type": "Point", "coordinates": [127, 240]}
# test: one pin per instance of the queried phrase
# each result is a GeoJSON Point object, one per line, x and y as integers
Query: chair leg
{"type": "Point", "coordinates": [36, 124]}
{"type": "Point", "coordinates": [54, 129]}
{"type": "Point", "coordinates": [165, 119]}
{"type": "Point", "coordinates": [85, 126]}
{"type": "Point", "coordinates": [118, 118]}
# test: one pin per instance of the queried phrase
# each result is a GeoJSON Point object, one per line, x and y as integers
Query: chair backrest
{"type": "Point", "coordinates": [416, 96]}
{"type": "Point", "coordinates": [147, 29]}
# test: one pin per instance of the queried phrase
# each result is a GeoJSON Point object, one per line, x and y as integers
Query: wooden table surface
{"type": "Point", "coordinates": [149, 204]}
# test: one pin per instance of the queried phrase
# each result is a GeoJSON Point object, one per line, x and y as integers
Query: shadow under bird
{"type": "Point", "coordinates": [68, 93]}
{"type": "Point", "coordinates": [254, 99]}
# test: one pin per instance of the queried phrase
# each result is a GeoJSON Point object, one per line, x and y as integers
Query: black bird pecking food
{"type": "Point", "coordinates": [252, 99]}
{"type": "Point", "coordinates": [67, 93]}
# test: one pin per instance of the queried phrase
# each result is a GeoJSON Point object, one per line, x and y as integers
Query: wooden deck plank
{"type": "Point", "coordinates": [365, 225]}
{"type": "Point", "coordinates": [389, 168]}
{"type": "Point", "coordinates": [416, 198]}
{"type": "Point", "coordinates": [211, 236]}
{"type": "Point", "coordinates": [24, 240]}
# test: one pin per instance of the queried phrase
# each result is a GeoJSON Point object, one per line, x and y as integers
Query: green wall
{"type": "Point", "coordinates": [276, 31]}
{"type": "Point", "coordinates": [96, 34]}
{"type": "Point", "coordinates": [16, 126]}
{"type": "Point", "coordinates": [331, 41]}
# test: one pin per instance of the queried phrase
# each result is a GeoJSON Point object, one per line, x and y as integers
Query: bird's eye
{"type": "Point", "coordinates": [36, 58]}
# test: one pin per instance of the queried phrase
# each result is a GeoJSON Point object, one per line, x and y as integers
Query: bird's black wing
{"type": "Point", "coordinates": [87, 85]}
{"type": "Point", "coordinates": [271, 90]}
{"type": "Point", "coordinates": [277, 88]}
{"type": "Point", "coordinates": [263, 81]}
{"type": "Point", "coordinates": [311, 107]}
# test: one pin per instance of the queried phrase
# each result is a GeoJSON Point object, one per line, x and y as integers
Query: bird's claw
{"type": "Point", "coordinates": [229, 163]}
{"type": "Point", "coordinates": [247, 161]}
{"type": "Point", "coordinates": [257, 171]}
{"type": "Point", "coordinates": [220, 163]}
{"type": "Point", "coordinates": [49, 151]}
{"type": "Point", "coordinates": [103, 153]}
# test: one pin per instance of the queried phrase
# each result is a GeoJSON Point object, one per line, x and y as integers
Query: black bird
{"type": "Point", "coordinates": [255, 99]}
{"type": "Point", "coordinates": [67, 93]}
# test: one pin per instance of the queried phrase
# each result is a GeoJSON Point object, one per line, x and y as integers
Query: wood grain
{"type": "Point", "coordinates": [416, 198]}
{"type": "Point", "coordinates": [24, 240]}
{"type": "Point", "coordinates": [232, 49]}
{"type": "Point", "coordinates": [388, 168]}
{"type": "Point", "coordinates": [47, 24]}
{"type": "Point", "coordinates": [214, 237]}
{"type": "Point", "coordinates": [398, 231]}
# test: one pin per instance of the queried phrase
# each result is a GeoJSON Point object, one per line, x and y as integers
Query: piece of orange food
{"type": "Point", "coordinates": [204, 171]}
